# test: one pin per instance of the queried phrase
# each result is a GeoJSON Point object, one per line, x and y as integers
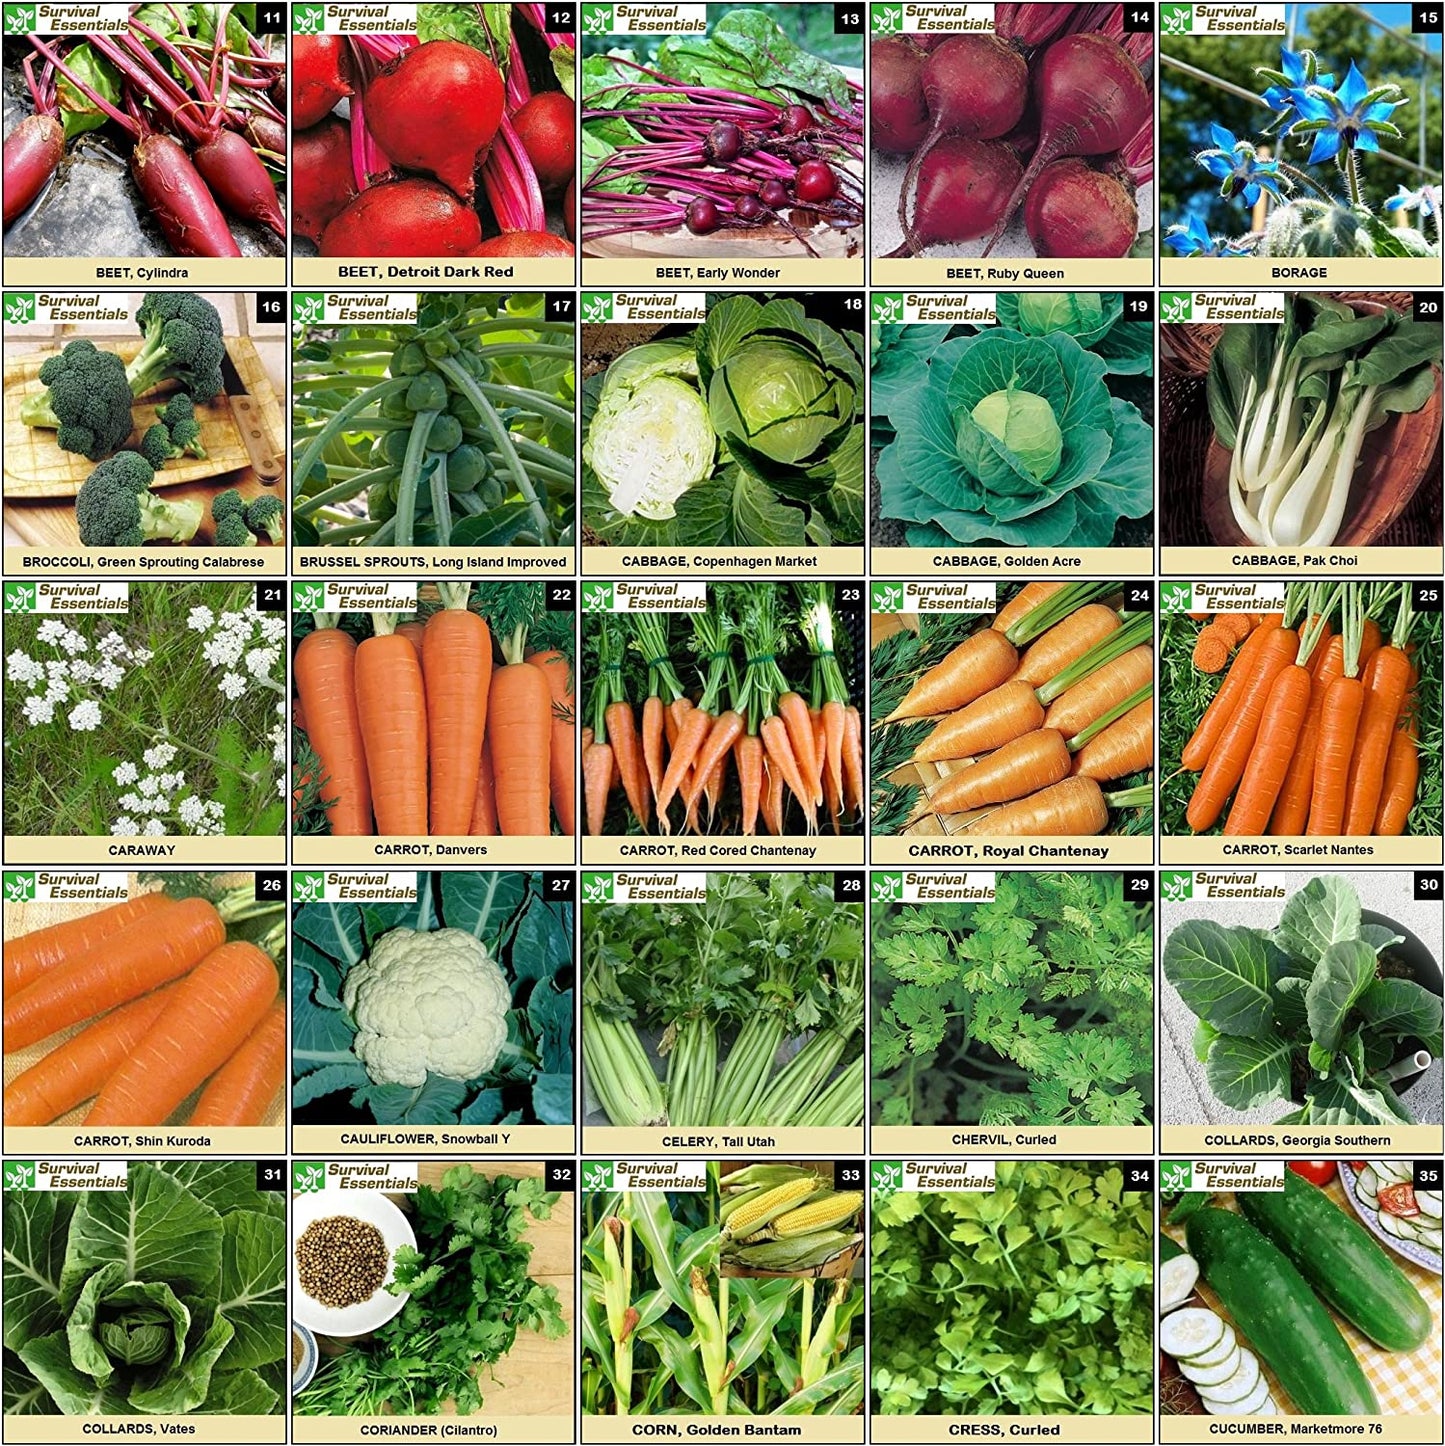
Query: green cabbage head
{"type": "Point", "coordinates": [1025, 425]}
{"type": "Point", "coordinates": [1080, 313]}
{"type": "Point", "coordinates": [650, 438]}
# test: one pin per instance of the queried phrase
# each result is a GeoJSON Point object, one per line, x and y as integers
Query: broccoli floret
{"type": "Point", "coordinates": [183, 341]}
{"type": "Point", "coordinates": [263, 517]}
{"type": "Point", "coordinates": [155, 446]}
{"type": "Point", "coordinates": [179, 415]}
{"type": "Point", "coordinates": [88, 399]}
{"type": "Point", "coordinates": [115, 507]}
{"type": "Point", "coordinates": [231, 531]}
{"type": "Point", "coordinates": [229, 503]}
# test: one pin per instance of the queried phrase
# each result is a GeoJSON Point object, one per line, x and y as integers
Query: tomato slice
{"type": "Point", "coordinates": [1399, 1200]}
{"type": "Point", "coordinates": [1357, 1165]}
{"type": "Point", "coordinates": [1317, 1172]}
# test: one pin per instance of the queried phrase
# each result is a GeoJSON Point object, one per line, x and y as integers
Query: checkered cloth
{"type": "Point", "coordinates": [1407, 1383]}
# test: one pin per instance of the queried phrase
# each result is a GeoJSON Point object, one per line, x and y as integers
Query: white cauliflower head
{"type": "Point", "coordinates": [427, 1001]}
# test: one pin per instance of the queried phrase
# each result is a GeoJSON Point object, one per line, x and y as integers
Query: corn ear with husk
{"type": "Point", "coordinates": [750, 1177]}
{"type": "Point", "coordinates": [754, 1214]}
{"type": "Point", "coordinates": [801, 1252]}
{"type": "Point", "coordinates": [823, 1342]}
{"type": "Point", "coordinates": [622, 1316]}
{"type": "Point", "coordinates": [712, 1340]}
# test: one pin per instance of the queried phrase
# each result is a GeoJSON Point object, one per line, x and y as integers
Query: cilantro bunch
{"type": "Point", "coordinates": [1033, 1009]}
{"type": "Point", "coordinates": [470, 1294]}
{"type": "Point", "coordinates": [1035, 1299]}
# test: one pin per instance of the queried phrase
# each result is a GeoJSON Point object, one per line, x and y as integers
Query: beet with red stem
{"type": "Point", "coordinates": [702, 216]}
{"type": "Point", "coordinates": [33, 150]}
{"type": "Point", "coordinates": [266, 134]}
{"type": "Point", "coordinates": [797, 121]}
{"type": "Point", "coordinates": [545, 126]}
{"type": "Point", "coordinates": [239, 180]}
{"type": "Point", "coordinates": [322, 181]}
{"type": "Point", "coordinates": [815, 182]}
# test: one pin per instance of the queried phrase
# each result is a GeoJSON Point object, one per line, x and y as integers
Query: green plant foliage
{"type": "Point", "coordinates": [165, 1298]}
{"type": "Point", "coordinates": [1033, 1009]}
{"type": "Point", "coordinates": [1309, 1013]}
{"type": "Point", "coordinates": [1034, 1299]}
{"type": "Point", "coordinates": [531, 939]}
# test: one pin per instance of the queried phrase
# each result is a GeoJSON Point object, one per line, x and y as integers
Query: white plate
{"type": "Point", "coordinates": [373, 1207]}
{"type": "Point", "coordinates": [1410, 1250]}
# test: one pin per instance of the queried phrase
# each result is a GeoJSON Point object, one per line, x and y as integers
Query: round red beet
{"type": "Point", "coordinates": [403, 218]}
{"type": "Point", "coordinates": [523, 243]}
{"type": "Point", "coordinates": [545, 126]}
{"type": "Point", "coordinates": [320, 76]}
{"type": "Point", "coordinates": [1073, 210]}
{"type": "Point", "coordinates": [323, 183]}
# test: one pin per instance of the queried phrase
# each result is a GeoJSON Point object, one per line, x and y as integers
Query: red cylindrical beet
{"type": "Point", "coordinates": [239, 181]}
{"type": "Point", "coordinates": [403, 218]}
{"type": "Point", "coordinates": [32, 154]}
{"type": "Point", "coordinates": [266, 134]}
{"type": "Point", "coordinates": [323, 182]}
{"type": "Point", "coordinates": [179, 198]}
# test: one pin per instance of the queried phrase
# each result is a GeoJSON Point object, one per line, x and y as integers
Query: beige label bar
{"type": "Point", "coordinates": [1024, 852]}
{"type": "Point", "coordinates": [1299, 1428]}
{"type": "Point", "coordinates": [1012, 561]}
{"type": "Point", "coordinates": [337, 562]}
{"type": "Point", "coordinates": [332, 1141]}
{"type": "Point", "coordinates": [262, 1430]}
{"type": "Point", "coordinates": [1236, 273]}
{"type": "Point", "coordinates": [241, 851]}
{"type": "Point", "coordinates": [343, 1429]}
{"type": "Point", "coordinates": [435, 273]}
{"type": "Point", "coordinates": [724, 562]}
{"type": "Point", "coordinates": [1004, 273]}
{"type": "Point", "coordinates": [842, 1430]}
{"type": "Point", "coordinates": [155, 273]}
{"type": "Point", "coordinates": [800, 851]}
{"type": "Point", "coordinates": [225, 1142]}
{"type": "Point", "coordinates": [1061, 1142]}
{"type": "Point", "coordinates": [1291, 1139]}
{"type": "Point", "coordinates": [680, 1140]}
{"type": "Point", "coordinates": [529, 851]}
{"type": "Point", "coordinates": [1221, 850]}
{"type": "Point", "coordinates": [1323, 562]}
{"type": "Point", "coordinates": [724, 274]}
{"type": "Point", "coordinates": [899, 1430]}
{"type": "Point", "coordinates": [190, 562]}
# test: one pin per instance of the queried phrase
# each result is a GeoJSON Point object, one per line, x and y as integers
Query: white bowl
{"type": "Point", "coordinates": [373, 1207]}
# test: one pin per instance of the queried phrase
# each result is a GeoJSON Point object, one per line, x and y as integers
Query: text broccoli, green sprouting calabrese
{"type": "Point", "coordinates": [115, 507]}
{"type": "Point", "coordinates": [87, 398]}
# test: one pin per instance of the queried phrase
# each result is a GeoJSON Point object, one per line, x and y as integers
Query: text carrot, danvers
{"type": "Point", "coordinates": [391, 708]}
{"type": "Point", "coordinates": [75, 1071]}
{"type": "Point", "coordinates": [132, 962]}
{"type": "Point", "coordinates": [242, 1090]}
{"type": "Point", "coordinates": [325, 672]}
{"type": "Point", "coordinates": [205, 1021]}
{"type": "Point", "coordinates": [456, 661]}
{"type": "Point", "coordinates": [34, 954]}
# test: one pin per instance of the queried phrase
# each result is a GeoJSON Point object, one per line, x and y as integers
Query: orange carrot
{"type": "Point", "coordinates": [1124, 747]}
{"type": "Point", "coordinates": [794, 713]}
{"type": "Point", "coordinates": [820, 753]}
{"type": "Point", "coordinates": [1397, 797]}
{"type": "Point", "coordinates": [39, 951]}
{"type": "Point", "coordinates": [484, 805]}
{"type": "Point", "coordinates": [1317, 657]}
{"type": "Point", "coordinates": [519, 726]}
{"type": "Point", "coordinates": [772, 794]}
{"type": "Point", "coordinates": [653, 716]}
{"type": "Point", "coordinates": [596, 784]}
{"type": "Point", "coordinates": [132, 962]}
{"type": "Point", "coordinates": [205, 1021]}
{"type": "Point", "coordinates": [784, 762]}
{"type": "Point", "coordinates": [1227, 761]}
{"type": "Point", "coordinates": [1091, 697]}
{"type": "Point", "coordinates": [748, 753]}
{"type": "Point", "coordinates": [713, 788]}
{"type": "Point", "coordinates": [414, 631]}
{"type": "Point", "coordinates": [325, 668]}
{"type": "Point", "coordinates": [693, 727]}
{"type": "Point", "coordinates": [835, 724]}
{"type": "Point", "coordinates": [1073, 808]}
{"type": "Point", "coordinates": [853, 788]}
{"type": "Point", "coordinates": [1019, 768]}
{"type": "Point", "coordinates": [1386, 684]}
{"type": "Point", "coordinates": [1211, 650]}
{"type": "Point", "coordinates": [1292, 807]}
{"type": "Point", "coordinates": [1237, 682]}
{"type": "Point", "coordinates": [726, 729]}
{"type": "Point", "coordinates": [562, 770]}
{"type": "Point", "coordinates": [241, 1091]}
{"type": "Point", "coordinates": [977, 665]}
{"type": "Point", "coordinates": [456, 663]}
{"type": "Point", "coordinates": [1339, 723]}
{"type": "Point", "coordinates": [1028, 597]}
{"type": "Point", "coordinates": [833, 802]}
{"type": "Point", "coordinates": [1066, 643]}
{"type": "Point", "coordinates": [1371, 642]}
{"type": "Point", "coordinates": [627, 750]}
{"type": "Point", "coordinates": [76, 1070]}
{"type": "Point", "coordinates": [988, 722]}
{"type": "Point", "coordinates": [391, 708]}
{"type": "Point", "coordinates": [1274, 745]}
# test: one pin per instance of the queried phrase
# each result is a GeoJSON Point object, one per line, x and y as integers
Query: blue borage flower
{"type": "Point", "coordinates": [1235, 163]}
{"type": "Point", "coordinates": [1192, 238]}
{"type": "Point", "coordinates": [1350, 119]}
{"type": "Point", "coordinates": [1426, 200]}
{"type": "Point", "coordinates": [1297, 69]}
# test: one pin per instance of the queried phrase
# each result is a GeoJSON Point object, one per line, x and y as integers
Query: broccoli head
{"type": "Point", "coordinates": [179, 415]}
{"type": "Point", "coordinates": [263, 517]}
{"type": "Point", "coordinates": [231, 531]}
{"type": "Point", "coordinates": [226, 504]}
{"type": "Point", "coordinates": [115, 507]}
{"type": "Point", "coordinates": [87, 399]}
{"type": "Point", "coordinates": [183, 342]}
{"type": "Point", "coordinates": [155, 446]}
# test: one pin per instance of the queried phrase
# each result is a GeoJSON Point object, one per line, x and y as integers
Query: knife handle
{"type": "Point", "coordinates": [264, 461]}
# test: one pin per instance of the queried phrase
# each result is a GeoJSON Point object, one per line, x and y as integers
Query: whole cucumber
{"type": "Point", "coordinates": [1340, 1258]}
{"type": "Point", "coordinates": [1279, 1316]}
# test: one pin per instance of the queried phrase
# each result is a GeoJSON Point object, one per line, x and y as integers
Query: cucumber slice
{"type": "Point", "coordinates": [1270, 1407]}
{"type": "Point", "coordinates": [1177, 1279]}
{"type": "Point", "coordinates": [1218, 1373]}
{"type": "Point", "coordinates": [1187, 1333]}
{"type": "Point", "coordinates": [1251, 1405]}
{"type": "Point", "coordinates": [1239, 1386]}
{"type": "Point", "coordinates": [1392, 1172]}
{"type": "Point", "coordinates": [1390, 1224]}
{"type": "Point", "coordinates": [1430, 1239]}
{"type": "Point", "coordinates": [1217, 1354]}
{"type": "Point", "coordinates": [1429, 1203]}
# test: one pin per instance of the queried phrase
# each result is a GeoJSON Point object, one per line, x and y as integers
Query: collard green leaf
{"type": "Point", "coordinates": [253, 1287]}
{"type": "Point", "coordinates": [484, 904]}
{"type": "Point", "coordinates": [1325, 912]}
{"type": "Point", "coordinates": [1222, 974]}
{"type": "Point", "coordinates": [1397, 1008]}
{"type": "Point", "coordinates": [552, 1098]}
{"type": "Point", "coordinates": [1379, 936]}
{"type": "Point", "coordinates": [225, 1185]}
{"type": "Point", "coordinates": [1341, 1099]}
{"type": "Point", "coordinates": [1344, 972]}
{"type": "Point", "coordinates": [334, 928]}
{"type": "Point", "coordinates": [36, 1222]}
{"type": "Point", "coordinates": [1244, 1073]}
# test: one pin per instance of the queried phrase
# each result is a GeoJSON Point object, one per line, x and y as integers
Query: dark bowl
{"type": "Point", "coordinates": [1411, 958]}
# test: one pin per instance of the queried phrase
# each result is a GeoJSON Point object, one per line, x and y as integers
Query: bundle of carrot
{"type": "Point", "coordinates": [143, 1003]}
{"type": "Point", "coordinates": [1316, 731]}
{"type": "Point", "coordinates": [747, 749]}
{"type": "Point", "coordinates": [422, 730]}
{"type": "Point", "coordinates": [1032, 710]}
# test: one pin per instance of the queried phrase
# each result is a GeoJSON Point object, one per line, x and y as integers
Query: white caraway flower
{"type": "Point", "coordinates": [125, 825]}
{"type": "Point", "coordinates": [52, 630]}
{"type": "Point", "coordinates": [125, 773]}
{"type": "Point", "coordinates": [81, 671]}
{"type": "Point", "coordinates": [200, 619]}
{"type": "Point", "coordinates": [22, 668]}
{"type": "Point", "coordinates": [85, 717]}
{"type": "Point", "coordinates": [154, 828]}
{"type": "Point", "coordinates": [38, 710]}
{"type": "Point", "coordinates": [232, 685]}
{"type": "Point", "coordinates": [143, 655]}
{"type": "Point", "coordinates": [73, 642]}
{"type": "Point", "coordinates": [260, 661]}
{"type": "Point", "coordinates": [192, 811]}
{"type": "Point", "coordinates": [158, 755]}
{"type": "Point", "coordinates": [150, 785]}
{"type": "Point", "coordinates": [110, 676]}
{"type": "Point", "coordinates": [133, 803]}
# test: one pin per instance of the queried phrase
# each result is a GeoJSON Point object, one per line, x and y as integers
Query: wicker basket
{"type": "Point", "coordinates": [1388, 507]}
